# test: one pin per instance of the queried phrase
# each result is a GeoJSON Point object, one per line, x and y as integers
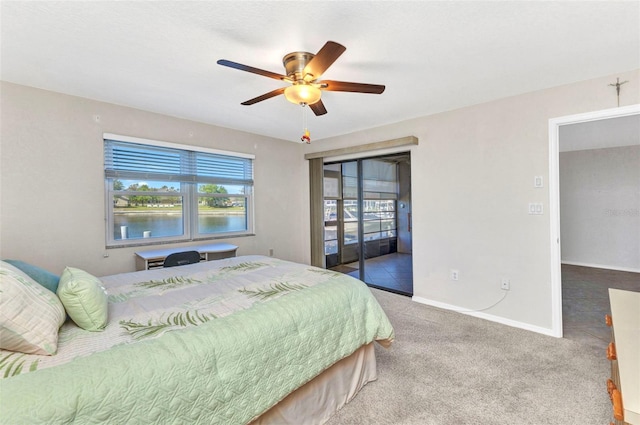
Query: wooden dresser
{"type": "Point", "coordinates": [624, 354]}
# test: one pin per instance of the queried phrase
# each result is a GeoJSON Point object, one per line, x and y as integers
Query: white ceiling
{"type": "Point", "coordinates": [432, 56]}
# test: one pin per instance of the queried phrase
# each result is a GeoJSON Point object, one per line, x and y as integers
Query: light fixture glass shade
{"type": "Point", "coordinates": [302, 93]}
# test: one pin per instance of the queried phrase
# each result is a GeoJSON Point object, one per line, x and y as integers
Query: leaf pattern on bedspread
{"type": "Point", "coordinates": [325, 272]}
{"type": "Point", "coordinates": [168, 283]}
{"type": "Point", "coordinates": [178, 282]}
{"type": "Point", "coordinates": [271, 290]}
{"type": "Point", "coordinates": [151, 286]}
{"type": "Point", "coordinates": [121, 298]}
{"type": "Point", "coordinates": [174, 320]}
{"type": "Point", "coordinates": [244, 267]}
{"type": "Point", "coordinates": [14, 366]}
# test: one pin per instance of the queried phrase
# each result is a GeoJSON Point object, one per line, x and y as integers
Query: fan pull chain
{"type": "Point", "coordinates": [306, 136]}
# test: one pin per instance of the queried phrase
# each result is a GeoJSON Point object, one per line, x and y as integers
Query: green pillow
{"type": "Point", "coordinates": [42, 276]}
{"type": "Point", "coordinates": [84, 299]}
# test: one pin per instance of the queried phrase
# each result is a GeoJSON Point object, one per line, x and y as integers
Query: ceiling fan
{"type": "Point", "coordinates": [303, 72]}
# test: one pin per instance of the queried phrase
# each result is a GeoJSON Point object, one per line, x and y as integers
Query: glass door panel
{"type": "Point", "coordinates": [350, 248]}
{"type": "Point", "coordinates": [379, 193]}
{"type": "Point", "coordinates": [362, 206]}
{"type": "Point", "coordinates": [331, 236]}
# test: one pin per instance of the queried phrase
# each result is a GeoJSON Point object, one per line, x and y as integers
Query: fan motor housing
{"type": "Point", "coordinates": [295, 62]}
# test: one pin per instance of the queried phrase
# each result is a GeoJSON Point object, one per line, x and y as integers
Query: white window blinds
{"type": "Point", "coordinates": [126, 160]}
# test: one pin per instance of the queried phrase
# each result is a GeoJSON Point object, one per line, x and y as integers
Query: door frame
{"type": "Point", "coordinates": [554, 199]}
{"type": "Point", "coordinates": [316, 161]}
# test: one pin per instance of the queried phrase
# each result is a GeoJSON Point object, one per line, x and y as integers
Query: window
{"type": "Point", "coordinates": [162, 192]}
{"type": "Point", "coordinates": [332, 195]}
{"type": "Point", "coordinates": [342, 218]}
{"type": "Point", "coordinates": [380, 188]}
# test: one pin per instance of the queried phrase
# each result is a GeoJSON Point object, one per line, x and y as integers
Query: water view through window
{"type": "Point", "coordinates": [163, 225]}
{"type": "Point", "coordinates": [156, 210]}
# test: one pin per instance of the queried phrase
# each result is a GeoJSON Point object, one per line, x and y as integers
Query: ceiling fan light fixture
{"type": "Point", "coordinates": [303, 73]}
{"type": "Point", "coordinates": [302, 93]}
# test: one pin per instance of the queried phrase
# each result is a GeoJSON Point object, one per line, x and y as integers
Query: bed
{"type": "Point", "coordinates": [248, 339]}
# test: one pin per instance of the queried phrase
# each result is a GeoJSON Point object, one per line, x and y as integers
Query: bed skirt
{"type": "Point", "coordinates": [316, 401]}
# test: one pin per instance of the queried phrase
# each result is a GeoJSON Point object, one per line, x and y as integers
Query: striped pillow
{"type": "Point", "coordinates": [30, 315]}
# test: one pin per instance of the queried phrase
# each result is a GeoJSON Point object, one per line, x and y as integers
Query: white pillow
{"type": "Point", "coordinates": [30, 315]}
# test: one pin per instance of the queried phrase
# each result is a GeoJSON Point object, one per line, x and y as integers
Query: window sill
{"type": "Point", "coordinates": [138, 244]}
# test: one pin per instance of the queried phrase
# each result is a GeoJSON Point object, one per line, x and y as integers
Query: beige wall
{"type": "Point", "coordinates": [472, 180]}
{"type": "Point", "coordinates": [52, 180]}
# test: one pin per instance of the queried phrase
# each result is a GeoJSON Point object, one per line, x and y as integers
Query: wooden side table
{"type": "Point", "coordinates": [624, 354]}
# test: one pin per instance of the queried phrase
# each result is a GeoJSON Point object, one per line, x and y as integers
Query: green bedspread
{"type": "Point", "coordinates": [225, 371]}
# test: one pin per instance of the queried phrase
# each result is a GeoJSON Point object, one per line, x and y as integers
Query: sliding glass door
{"type": "Point", "coordinates": [360, 220]}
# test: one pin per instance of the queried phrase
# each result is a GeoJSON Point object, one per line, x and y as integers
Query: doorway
{"type": "Point", "coordinates": [367, 220]}
{"type": "Point", "coordinates": [554, 200]}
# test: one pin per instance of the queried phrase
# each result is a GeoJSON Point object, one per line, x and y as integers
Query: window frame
{"type": "Point", "coordinates": [188, 191]}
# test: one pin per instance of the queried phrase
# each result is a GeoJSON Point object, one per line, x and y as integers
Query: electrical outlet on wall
{"type": "Point", "coordinates": [505, 284]}
{"type": "Point", "coordinates": [536, 208]}
{"type": "Point", "coordinates": [455, 274]}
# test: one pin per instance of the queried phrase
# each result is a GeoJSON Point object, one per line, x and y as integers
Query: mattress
{"type": "Point", "coordinates": [316, 401]}
{"type": "Point", "coordinates": [214, 342]}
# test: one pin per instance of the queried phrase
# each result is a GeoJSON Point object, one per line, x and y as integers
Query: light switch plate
{"type": "Point", "coordinates": [538, 181]}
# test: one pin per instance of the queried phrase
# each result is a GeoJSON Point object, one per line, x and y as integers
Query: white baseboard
{"type": "Point", "coordinates": [602, 266]}
{"type": "Point", "coordinates": [490, 317]}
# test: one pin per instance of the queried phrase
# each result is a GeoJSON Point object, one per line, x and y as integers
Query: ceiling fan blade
{"type": "Point", "coordinates": [265, 96]}
{"type": "Point", "coordinates": [253, 70]}
{"type": "Point", "coordinates": [318, 108]}
{"type": "Point", "coordinates": [351, 87]}
{"type": "Point", "coordinates": [323, 59]}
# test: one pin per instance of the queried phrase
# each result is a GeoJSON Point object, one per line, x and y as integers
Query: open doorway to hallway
{"type": "Point", "coordinates": [594, 193]}
{"type": "Point", "coordinates": [367, 220]}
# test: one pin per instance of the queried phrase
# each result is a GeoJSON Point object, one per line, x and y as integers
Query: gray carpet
{"type": "Point", "coordinates": [448, 368]}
